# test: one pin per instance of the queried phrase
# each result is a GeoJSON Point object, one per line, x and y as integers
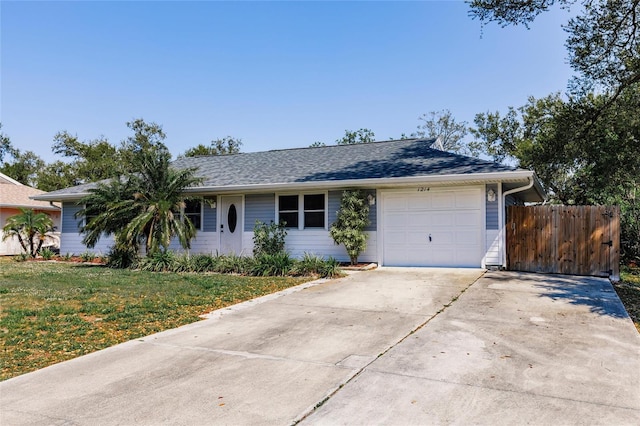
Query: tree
{"type": "Point", "coordinates": [30, 228]}
{"type": "Point", "coordinates": [23, 167]}
{"type": "Point", "coordinates": [224, 146]}
{"type": "Point", "coordinates": [348, 229]}
{"type": "Point", "coordinates": [442, 124]}
{"type": "Point", "coordinates": [142, 207]}
{"type": "Point", "coordinates": [317, 144]}
{"type": "Point", "coordinates": [5, 144]}
{"type": "Point", "coordinates": [603, 39]}
{"type": "Point", "coordinates": [147, 138]}
{"type": "Point", "coordinates": [578, 159]}
{"type": "Point", "coordinates": [57, 175]}
{"type": "Point", "coordinates": [359, 136]}
{"type": "Point", "coordinates": [91, 161]}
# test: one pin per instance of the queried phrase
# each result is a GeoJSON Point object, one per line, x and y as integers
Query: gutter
{"type": "Point", "coordinates": [504, 205]}
{"type": "Point", "coordinates": [513, 176]}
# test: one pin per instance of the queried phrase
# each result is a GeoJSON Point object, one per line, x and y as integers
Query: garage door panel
{"type": "Point", "coordinates": [453, 219]}
{"type": "Point", "coordinates": [417, 239]}
{"type": "Point", "coordinates": [442, 237]}
{"type": "Point", "coordinates": [395, 219]}
{"type": "Point", "coordinates": [443, 200]}
{"type": "Point", "coordinates": [440, 219]}
{"type": "Point", "coordinates": [469, 218]}
{"type": "Point", "coordinates": [467, 238]}
{"type": "Point", "coordinates": [419, 202]}
{"type": "Point", "coordinates": [396, 202]}
{"type": "Point", "coordinates": [467, 199]}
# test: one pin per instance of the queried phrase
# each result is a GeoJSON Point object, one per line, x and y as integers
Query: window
{"type": "Point", "coordinates": [302, 211]}
{"type": "Point", "coordinates": [314, 211]}
{"type": "Point", "coordinates": [91, 213]}
{"type": "Point", "coordinates": [288, 210]}
{"type": "Point", "coordinates": [193, 211]}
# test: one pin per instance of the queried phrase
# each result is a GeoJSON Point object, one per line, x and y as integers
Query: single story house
{"type": "Point", "coordinates": [13, 196]}
{"type": "Point", "coordinates": [428, 207]}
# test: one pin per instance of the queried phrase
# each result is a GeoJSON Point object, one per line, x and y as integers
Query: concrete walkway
{"type": "Point", "coordinates": [376, 347]}
{"type": "Point", "coordinates": [513, 349]}
{"type": "Point", "coordinates": [266, 363]}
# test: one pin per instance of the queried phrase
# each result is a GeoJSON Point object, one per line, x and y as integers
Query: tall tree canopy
{"type": "Point", "coordinates": [222, 146]}
{"type": "Point", "coordinates": [442, 124]}
{"type": "Point", "coordinates": [579, 160]}
{"type": "Point", "coordinates": [359, 136]}
{"type": "Point", "coordinates": [603, 40]}
{"type": "Point", "coordinates": [5, 144]}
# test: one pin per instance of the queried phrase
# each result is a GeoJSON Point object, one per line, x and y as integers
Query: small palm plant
{"type": "Point", "coordinates": [30, 228]}
{"type": "Point", "coordinates": [352, 219]}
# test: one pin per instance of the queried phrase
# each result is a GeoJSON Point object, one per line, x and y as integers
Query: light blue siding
{"type": "Point", "coordinates": [260, 207]}
{"type": "Point", "coordinates": [69, 223]}
{"type": "Point", "coordinates": [492, 208]}
{"type": "Point", "coordinates": [334, 206]}
{"type": "Point", "coordinates": [209, 219]}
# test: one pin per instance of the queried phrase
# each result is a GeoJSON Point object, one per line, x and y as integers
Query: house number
{"type": "Point", "coordinates": [423, 189]}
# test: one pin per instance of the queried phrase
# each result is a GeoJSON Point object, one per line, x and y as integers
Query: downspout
{"type": "Point", "coordinates": [504, 206]}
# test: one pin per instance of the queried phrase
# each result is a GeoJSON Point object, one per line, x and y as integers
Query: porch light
{"type": "Point", "coordinates": [491, 195]}
{"type": "Point", "coordinates": [371, 199]}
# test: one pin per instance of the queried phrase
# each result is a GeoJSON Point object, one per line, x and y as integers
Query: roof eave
{"type": "Point", "coordinates": [457, 179]}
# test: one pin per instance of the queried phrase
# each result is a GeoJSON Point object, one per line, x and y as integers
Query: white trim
{"type": "Point", "coordinates": [380, 219]}
{"type": "Point", "coordinates": [301, 223]}
{"type": "Point", "coordinates": [455, 179]}
{"type": "Point", "coordinates": [10, 180]}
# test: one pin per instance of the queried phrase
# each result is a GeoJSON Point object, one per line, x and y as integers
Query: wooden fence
{"type": "Point", "coordinates": [576, 240]}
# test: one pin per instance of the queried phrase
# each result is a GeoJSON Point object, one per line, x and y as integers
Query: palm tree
{"type": "Point", "coordinates": [30, 228]}
{"type": "Point", "coordinates": [143, 207]}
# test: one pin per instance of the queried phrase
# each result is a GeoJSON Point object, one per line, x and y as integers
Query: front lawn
{"type": "Point", "coordinates": [628, 290]}
{"type": "Point", "coordinates": [51, 312]}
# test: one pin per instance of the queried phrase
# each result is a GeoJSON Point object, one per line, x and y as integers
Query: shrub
{"type": "Point", "coordinates": [47, 253]}
{"type": "Point", "coordinates": [268, 239]}
{"type": "Point", "coordinates": [233, 264]}
{"type": "Point", "coordinates": [22, 257]}
{"type": "Point", "coordinates": [270, 265]}
{"type": "Point", "coordinates": [158, 261]}
{"type": "Point", "coordinates": [67, 257]}
{"type": "Point", "coordinates": [203, 263]}
{"type": "Point", "coordinates": [311, 264]}
{"type": "Point", "coordinates": [348, 229]}
{"type": "Point", "coordinates": [87, 256]}
{"type": "Point", "coordinates": [121, 257]}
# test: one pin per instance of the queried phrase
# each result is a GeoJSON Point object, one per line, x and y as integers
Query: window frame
{"type": "Point", "coordinates": [184, 215]}
{"type": "Point", "coordinates": [301, 210]}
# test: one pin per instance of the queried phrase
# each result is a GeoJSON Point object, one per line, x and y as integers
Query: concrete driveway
{"type": "Point", "coordinates": [265, 363]}
{"type": "Point", "coordinates": [391, 346]}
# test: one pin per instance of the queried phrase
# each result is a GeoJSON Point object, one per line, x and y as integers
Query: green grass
{"type": "Point", "coordinates": [51, 312]}
{"type": "Point", "coordinates": [628, 290]}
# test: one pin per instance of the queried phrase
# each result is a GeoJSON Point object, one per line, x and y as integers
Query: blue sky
{"type": "Point", "coordinates": [276, 74]}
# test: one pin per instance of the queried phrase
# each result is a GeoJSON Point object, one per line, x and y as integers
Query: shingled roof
{"type": "Point", "coordinates": [388, 161]}
{"type": "Point", "coordinates": [17, 196]}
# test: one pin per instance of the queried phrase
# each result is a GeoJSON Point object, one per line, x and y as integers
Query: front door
{"type": "Point", "coordinates": [231, 224]}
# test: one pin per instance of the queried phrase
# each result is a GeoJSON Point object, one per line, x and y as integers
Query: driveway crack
{"type": "Point", "coordinates": [359, 371]}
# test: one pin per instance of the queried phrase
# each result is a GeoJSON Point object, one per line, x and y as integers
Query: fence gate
{"type": "Point", "coordinates": [576, 240]}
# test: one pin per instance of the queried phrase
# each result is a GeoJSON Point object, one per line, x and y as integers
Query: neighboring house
{"type": "Point", "coordinates": [13, 196]}
{"type": "Point", "coordinates": [428, 207]}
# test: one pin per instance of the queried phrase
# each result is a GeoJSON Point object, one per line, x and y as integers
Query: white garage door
{"type": "Point", "coordinates": [433, 227]}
